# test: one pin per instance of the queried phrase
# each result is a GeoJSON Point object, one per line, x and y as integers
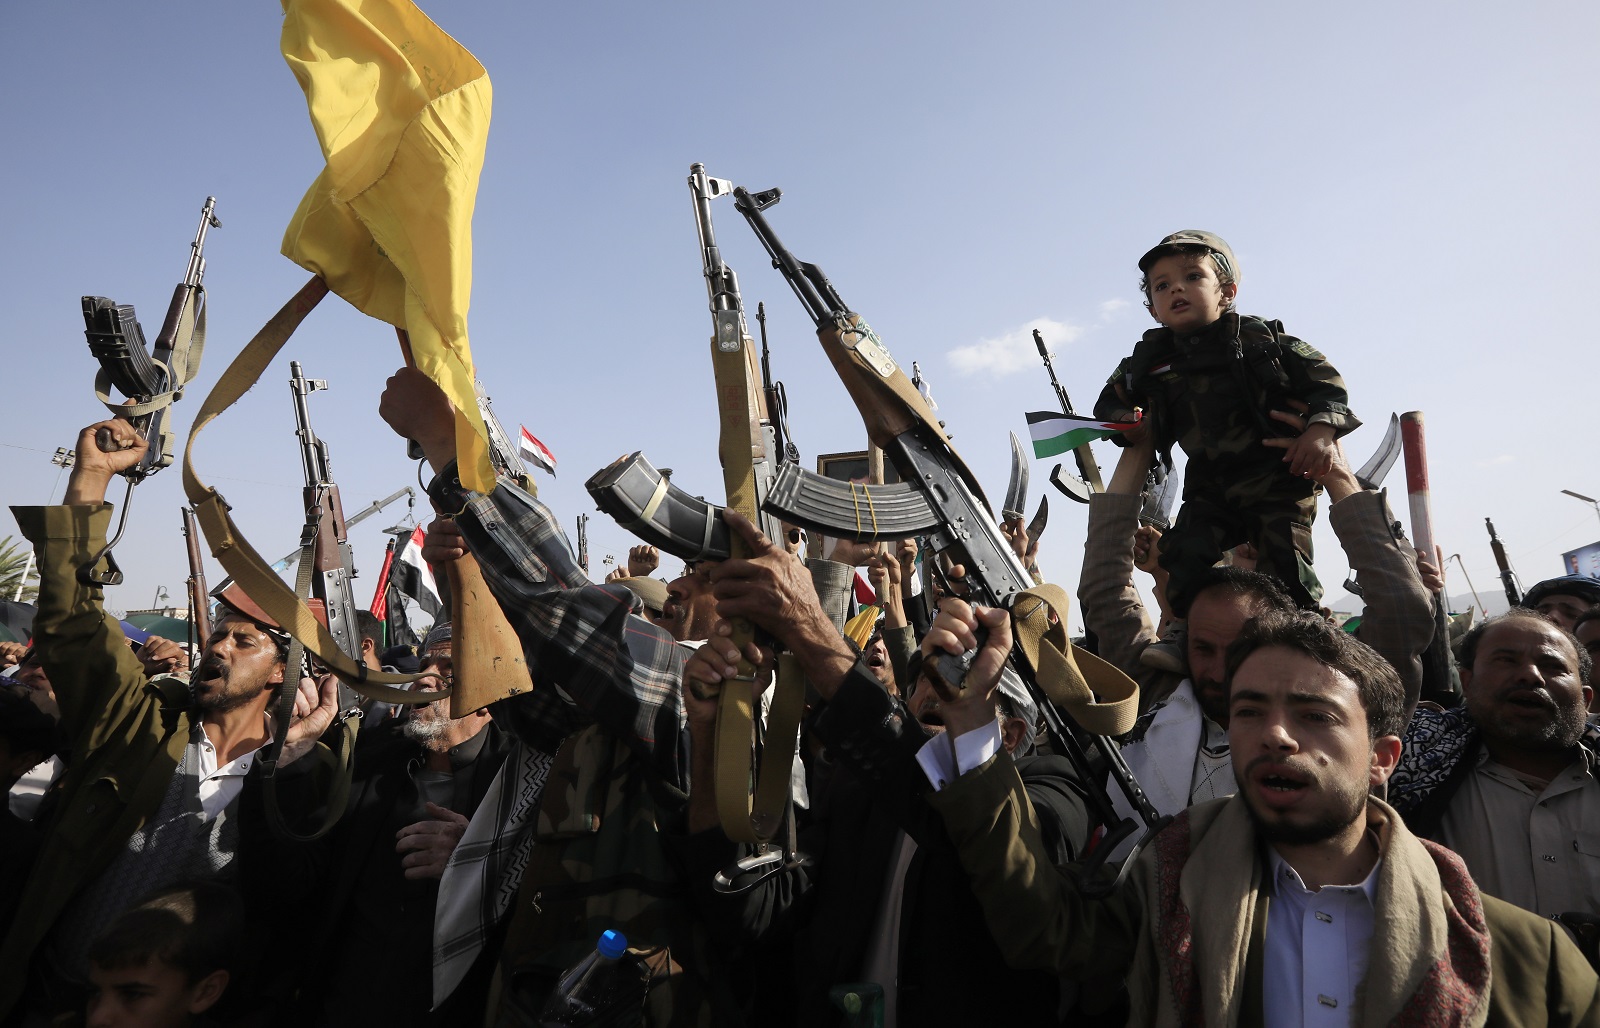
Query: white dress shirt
{"type": "Point", "coordinates": [1317, 947]}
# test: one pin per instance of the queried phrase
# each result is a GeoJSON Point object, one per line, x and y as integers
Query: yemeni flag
{"type": "Point", "coordinates": [415, 578]}
{"type": "Point", "coordinates": [535, 452]}
{"type": "Point", "coordinates": [1054, 433]}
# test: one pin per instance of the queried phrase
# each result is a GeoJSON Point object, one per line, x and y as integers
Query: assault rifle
{"type": "Point", "coordinates": [323, 581]}
{"type": "Point", "coordinates": [1508, 578]}
{"type": "Point", "coordinates": [1088, 480]}
{"type": "Point", "coordinates": [583, 542]}
{"type": "Point", "coordinates": [150, 381]}
{"type": "Point", "coordinates": [940, 497]}
{"type": "Point", "coordinates": [331, 571]}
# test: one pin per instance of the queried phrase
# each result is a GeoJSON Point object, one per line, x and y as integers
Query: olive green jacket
{"type": "Point", "coordinates": [1186, 930]}
{"type": "Point", "coordinates": [126, 732]}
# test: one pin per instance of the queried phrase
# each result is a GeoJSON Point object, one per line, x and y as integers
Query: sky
{"type": "Point", "coordinates": [1408, 187]}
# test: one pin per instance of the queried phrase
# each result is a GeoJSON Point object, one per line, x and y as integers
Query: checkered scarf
{"type": "Point", "coordinates": [485, 870]}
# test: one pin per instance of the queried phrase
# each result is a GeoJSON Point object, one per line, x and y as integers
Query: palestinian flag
{"type": "Point", "coordinates": [1055, 433]}
{"type": "Point", "coordinates": [535, 452]}
{"type": "Point", "coordinates": [414, 577]}
{"type": "Point", "coordinates": [380, 598]}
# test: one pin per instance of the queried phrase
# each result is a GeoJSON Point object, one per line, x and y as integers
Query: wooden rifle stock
{"type": "Point", "coordinates": [199, 597]}
{"type": "Point", "coordinates": [484, 649]}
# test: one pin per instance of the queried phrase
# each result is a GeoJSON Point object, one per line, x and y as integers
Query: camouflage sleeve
{"type": "Point", "coordinates": [1317, 383]}
{"type": "Point", "coordinates": [1109, 406]}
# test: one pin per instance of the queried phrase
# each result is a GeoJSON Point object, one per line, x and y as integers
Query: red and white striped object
{"type": "Point", "coordinates": [1416, 452]}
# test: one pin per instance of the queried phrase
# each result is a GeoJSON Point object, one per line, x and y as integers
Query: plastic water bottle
{"type": "Point", "coordinates": [606, 987]}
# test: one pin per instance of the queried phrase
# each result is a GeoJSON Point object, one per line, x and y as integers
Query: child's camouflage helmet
{"type": "Point", "coordinates": [1188, 239]}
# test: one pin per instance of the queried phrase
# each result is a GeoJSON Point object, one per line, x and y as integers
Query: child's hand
{"type": "Point", "coordinates": [1140, 433]}
{"type": "Point", "coordinates": [1311, 455]}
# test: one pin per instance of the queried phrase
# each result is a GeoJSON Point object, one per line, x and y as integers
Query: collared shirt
{"type": "Point", "coordinates": [1317, 947]}
{"type": "Point", "coordinates": [944, 758]}
{"type": "Point", "coordinates": [1532, 844]}
{"type": "Point", "coordinates": [220, 784]}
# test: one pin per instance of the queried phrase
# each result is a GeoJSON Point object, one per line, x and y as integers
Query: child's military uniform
{"type": "Point", "coordinates": [1211, 394]}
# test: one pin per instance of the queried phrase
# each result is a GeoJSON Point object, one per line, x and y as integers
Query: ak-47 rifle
{"type": "Point", "coordinates": [777, 398]}
{"type": "Point", "coordinates": [1088, 481]}
{"type": "Point", "coordinates": [325, 580]}
{"type": "Point", "coordinates": [151, 382]}
{"type": "Point", "coordinates": [958, 521]}
{"type": "Point", "coordinates": [1508, 578]}
{"type": "Point", "coordinates": [583, 542]}
{"type": "Point", "coordinates": [199, 598]}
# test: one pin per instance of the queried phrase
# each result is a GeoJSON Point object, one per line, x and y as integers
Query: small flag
{"type": "Point", "coordinates": [380, 598]}
{"type": "Point", "coordinates": [415, 578]}
{"type": "Point", "coordinates": [1054, 433]}
{"type": "Point", "coordinates": [535, 452]}
{"type": "Point", "coordinates": [864, 591]}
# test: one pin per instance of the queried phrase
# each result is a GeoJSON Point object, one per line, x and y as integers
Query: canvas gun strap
{"type": "Point", "coordinates": [746, 815]}
{"type": "Point", "coordinates": [1039, 625]}
{"type": "Point", "coordinates": [229, 546]}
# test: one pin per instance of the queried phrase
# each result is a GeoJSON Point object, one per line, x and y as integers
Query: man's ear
{"type": "Point", "coordinates": [203, 995]}
{"type": "Point", "coordinates": [1230, 290]}
{"type": "Point", "coordinates": [1385, 755]}
{"type": "Point", "coordinates": [1012, 730]}
{"type": "Point", "coordinates": [368, 646]}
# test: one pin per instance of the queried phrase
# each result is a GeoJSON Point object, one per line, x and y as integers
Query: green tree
{"type": "Point", "coordinates": [16, 559]}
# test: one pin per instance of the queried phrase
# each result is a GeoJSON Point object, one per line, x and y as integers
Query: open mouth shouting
{"type": "Point", "coordinates": [1279, 784]}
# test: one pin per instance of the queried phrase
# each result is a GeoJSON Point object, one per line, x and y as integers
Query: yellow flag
{"type": "Point", "coordinates": [860, 628]}
{"type": "Point", "coordinates": [402, 113]}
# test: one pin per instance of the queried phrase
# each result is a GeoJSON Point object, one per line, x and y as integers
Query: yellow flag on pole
{"type": "Point", "coordinates": [401, 111]}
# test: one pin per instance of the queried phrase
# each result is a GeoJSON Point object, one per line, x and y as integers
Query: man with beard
{"type": "Point", "coordinates": [153, 760]}
{"type": "Point", "coordinates": [1179, 749]}
{"type": "Point", "coordinates": [418, 779]}
{"type": "Point", "coordinates": [1508, 779]}
{"type": "Point", "coordinates": [1300, 900]}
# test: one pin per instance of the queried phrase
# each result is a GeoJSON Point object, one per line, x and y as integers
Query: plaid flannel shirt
{"type": "Point", "coordinates": [591, 661]}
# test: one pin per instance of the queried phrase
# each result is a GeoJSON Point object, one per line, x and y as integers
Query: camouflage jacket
{"type": "Point", "coordinates": [1210, 394]}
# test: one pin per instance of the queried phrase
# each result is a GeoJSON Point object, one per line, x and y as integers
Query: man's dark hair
{"type": "Point", "coordinates": [1470, 642]}
{"type": "Point", "coordinates": [371, 627]}
{"type": "Point", "coordinates": [197, 928]}
{"type": "Point", "coordinates": [1382, 695]}
{"type": "Point", "coordinates": [1264, 592]}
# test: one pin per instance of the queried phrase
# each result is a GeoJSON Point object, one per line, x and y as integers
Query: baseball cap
{"type": "Point", "coordinates": [652, 592]}
{"type": "Point", "coordinates": [1189, 239]}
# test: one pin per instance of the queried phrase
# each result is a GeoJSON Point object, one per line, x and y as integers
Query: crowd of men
{"type": "Point", "coordinates": [1351, 841]}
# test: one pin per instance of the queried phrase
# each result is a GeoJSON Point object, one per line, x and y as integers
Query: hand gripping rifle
{"type": "Point", "coordinates": [151, 382]}
{"type": "Point", "coordinates": [324, 580]}
{"type": "Point", "coordinates": [958, 520]}
{"type": "Point", "coordinates": [1079, 488]}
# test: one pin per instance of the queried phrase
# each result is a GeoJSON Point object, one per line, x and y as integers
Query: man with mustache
{"type": "Point", "coordinates": [1300, 900]}
{"type": "Point", "coordinates": [1508, 778]}
{"type": "Point", "coordinates": [151, 758]}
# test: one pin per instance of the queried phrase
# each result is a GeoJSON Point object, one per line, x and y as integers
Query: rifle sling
{"type": "Point", "coordinates": [189, 343]}
{"type": "Point", "coordinates": [748, 816]}
{"type": "Point", "coordinates": [1064, 671]}
{"type": "Point", "coordinates": [229, 546]}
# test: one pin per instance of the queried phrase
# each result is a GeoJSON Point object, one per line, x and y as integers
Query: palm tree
{"type": "Point", "coordinates": [16, 560]}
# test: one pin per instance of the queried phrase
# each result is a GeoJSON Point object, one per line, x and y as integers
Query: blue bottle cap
{"type": "Point", "coordinates": [612, 944]}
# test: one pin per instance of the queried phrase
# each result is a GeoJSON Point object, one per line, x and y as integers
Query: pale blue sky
{"type": "Point", "coordinates": [1409, 187]}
